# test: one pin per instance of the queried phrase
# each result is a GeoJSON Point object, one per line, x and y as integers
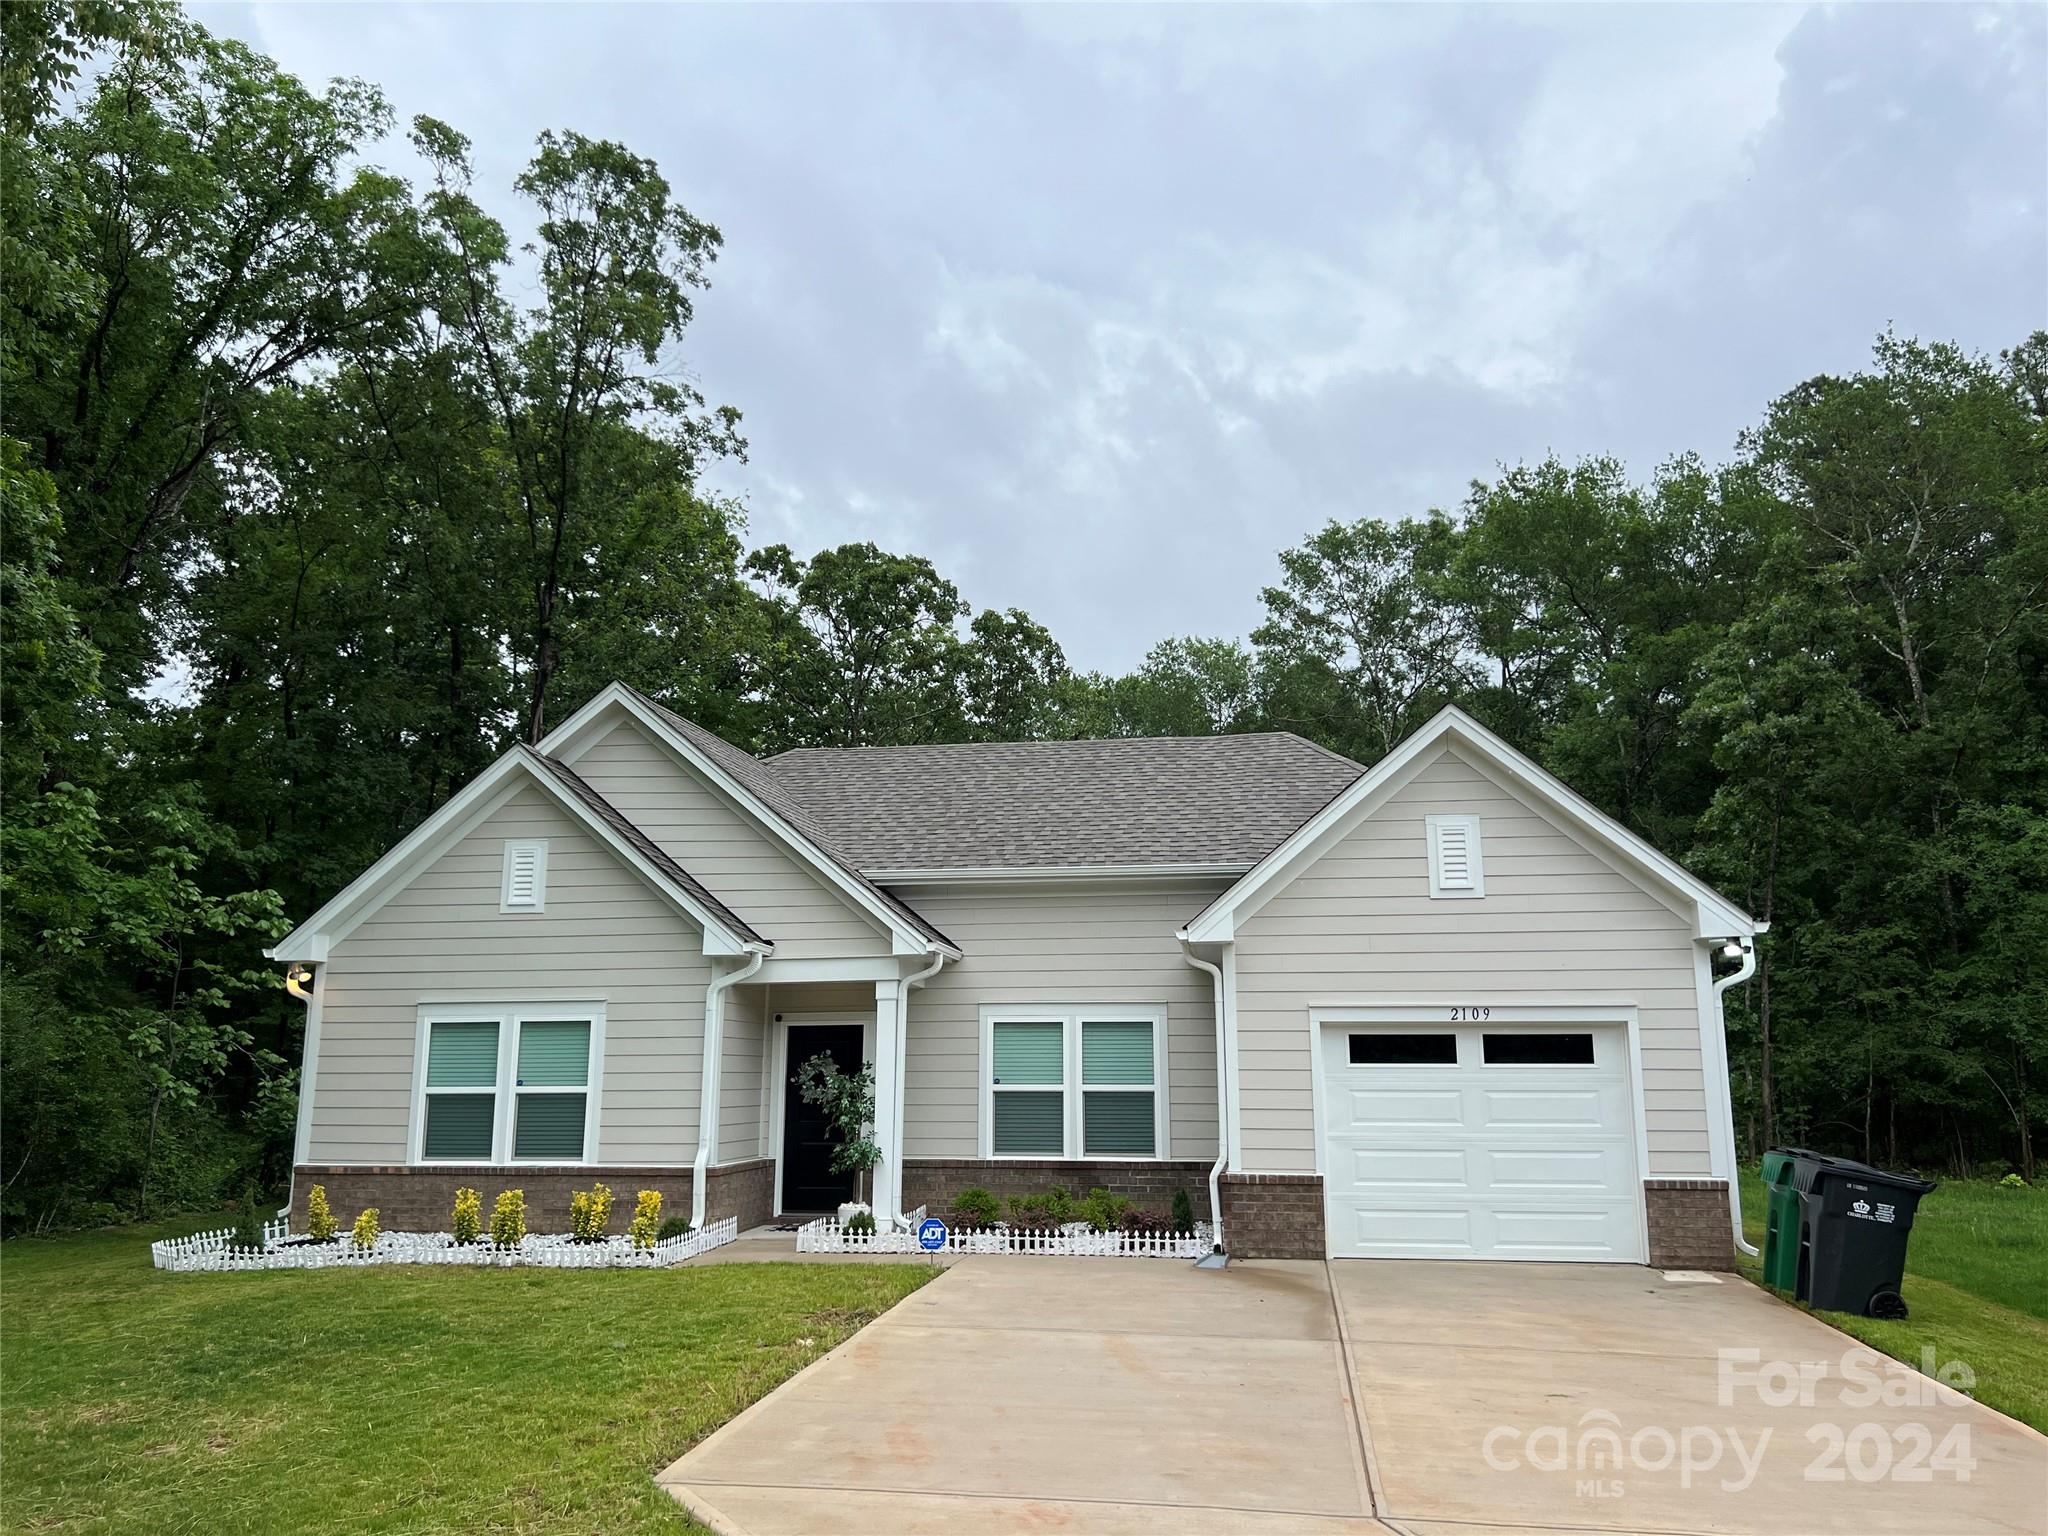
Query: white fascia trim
{"type": "Point", "coordinates": [559, 743]}
{"type": "Point", "coordinates": [998, 875]}
{"type": "Point", "coordinates": [362, 896]}
{"type": "Point", "coordinates": [1714, 915]}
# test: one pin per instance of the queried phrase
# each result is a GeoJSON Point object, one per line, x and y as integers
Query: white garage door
{"type": "Point", "coordinates": [1480, 1143]}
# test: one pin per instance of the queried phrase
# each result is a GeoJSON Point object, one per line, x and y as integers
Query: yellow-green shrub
{"type": "Point", "coordinates": [320, 1223]}
{"type": "Point", "coordinates": [469, 1215]}
{"type": "Point", "coordinates": [646, 1218]}
{"type": "Point", "coordinates": [590, 1213]}
{"type": "Point", "coordinates": [508, 1218]}
{"type": "Point", "coordinates": [364, 1234]}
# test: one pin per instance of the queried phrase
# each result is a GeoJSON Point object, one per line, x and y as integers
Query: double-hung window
{"type": "Point", "coordinates": [508, 1084]}
{"type": "Point", "coordinates": [1071, 1083]}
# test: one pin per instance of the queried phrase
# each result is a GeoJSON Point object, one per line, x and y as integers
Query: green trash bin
{"type": "Point", "coordinates": [1782, 1219]}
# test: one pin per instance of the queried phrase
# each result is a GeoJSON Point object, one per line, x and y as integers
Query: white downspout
{"type": "Point", "coordinates": [1741, 973]}
{"type": "Point", "coordinates": [302, 1133]}
{"type": "Point", "coordinates": [894, 1153]}
{"type": "Point", "coordinates": [709, 1079]}
{"type": "Point", "coordinates": [1222, 1106]}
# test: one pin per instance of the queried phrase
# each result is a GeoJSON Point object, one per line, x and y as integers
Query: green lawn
{"type": "Point", "coordinates": [1977, 1284]}
{"type": "Point", "coordinates": [383, 1399]}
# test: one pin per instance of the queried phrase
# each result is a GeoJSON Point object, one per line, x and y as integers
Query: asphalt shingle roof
{"type": "Point", "coordinates": [1063, 804]}
{"type": "Point", "coordinates": [644, 845]}
{"type": "Point", "coordinates": [767, 787]}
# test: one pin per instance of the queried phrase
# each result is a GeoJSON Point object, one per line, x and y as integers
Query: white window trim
{"type": "Point", "coordinates": [1070, 1018]}
{"type": "Point", "coordinates": [538, 846]}
{"type": "Point", "coordinates": [508, 1017]}
{"type": "Point", "coordinates": [1437, 889]}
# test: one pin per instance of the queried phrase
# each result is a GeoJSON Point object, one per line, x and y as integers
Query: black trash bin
{"type": "Point", "coordinates": [1855, 1220]}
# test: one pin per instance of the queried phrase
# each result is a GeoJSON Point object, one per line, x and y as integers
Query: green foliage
{"type": "Point", "coordinates": [976, 1207]}
{"type": "Point", "coordinates": [1103, 1210]}
{"type": "Point", "coordinates": [508, 1218]}
{"type": "Point", "coordinates": [590, 1213]}
{"type": "Point", "coordinates": [465, 1224]}
{"type": "Point", "coordinates": [848, 1102]}
{"type": "Point", "coordinates": [248, 1221]}
{"type": "Point", "coordinates": [320, 1224]}
{"type": "Point", "coordinates": [647, 1227]}
{"type": "Point", "coordinates": [859, 1223]}
{"type": "Point", "coordinates": [1183, 1212]}
{"type": "Point", "coordinates": [364, 1233]}
{"type": "Point", "coordinates": [675, 1226]}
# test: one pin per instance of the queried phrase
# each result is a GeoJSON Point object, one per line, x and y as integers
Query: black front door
{"type": "Point", "coordinates": [808, 1182]}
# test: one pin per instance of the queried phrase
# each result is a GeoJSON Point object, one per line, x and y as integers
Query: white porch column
{"type": "Point", "coordinates": [888, 1177]}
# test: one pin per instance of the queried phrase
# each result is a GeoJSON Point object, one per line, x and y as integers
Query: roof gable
{"type": "Point", "coordinates": [1713, 915]}
{"type": "Point", "coordinates": [724, 932]}
{"type": "Point", "coordinates": [747, 782]}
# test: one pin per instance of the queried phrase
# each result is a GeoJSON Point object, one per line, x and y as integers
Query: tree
{"type": "Point", "coordinates": [847, 1100]}
{"type": "Point", "coordinates": [619, 262]}
{"type": "Point", "coordinates": [865, 652]}
{"type": "Point", "coordinates": [1359, 604]}
{"type": "Point", "coordinates": [192, 240]}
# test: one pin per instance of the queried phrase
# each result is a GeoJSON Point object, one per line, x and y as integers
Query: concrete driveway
{"type": "Point", "coordinates": [1027, 1395]}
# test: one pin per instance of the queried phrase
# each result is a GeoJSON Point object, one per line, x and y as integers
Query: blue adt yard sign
{"type": "Point", "coordinates": [931, 1235]}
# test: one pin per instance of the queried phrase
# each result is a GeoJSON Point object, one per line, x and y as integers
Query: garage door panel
{"type": "Point", "coordinates": [1509, 1159]}
{"type": "Point", "coordinates": [1516, 1169]}
{"type": "Point", "coordinates": [1397, 1167]}
{"type": "Point", "coordinates": [1404, 1106]}
{"type": "Point", "coordinates": [1510, 1109]}
{"type": "Point", "coordinates": [1403, 1231]}
{"type": "Point", "coordinates": [1592, 1233]}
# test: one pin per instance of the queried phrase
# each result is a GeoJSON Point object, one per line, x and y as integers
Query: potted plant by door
{"type": "Point", "coordinates": [847, 1101]}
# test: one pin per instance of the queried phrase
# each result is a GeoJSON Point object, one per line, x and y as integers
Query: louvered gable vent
{"type": "Point", "coordinates": [1455, 867]}
{"type": "Point", "coordinates": [526, 877]}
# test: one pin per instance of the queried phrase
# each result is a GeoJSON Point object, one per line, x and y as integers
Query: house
{"type": "Point", "coordinates": [1441, 1008]}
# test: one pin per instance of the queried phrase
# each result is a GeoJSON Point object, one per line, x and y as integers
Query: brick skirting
{"type": "Point", "coordinates": [1690, 1225]}
{"type": "Point", "coordinates": [422, 1199]}
{"type": "Point", "coordinates": [1273, 1215]}
{"type": "Point", "coordinates": [936, 1182]}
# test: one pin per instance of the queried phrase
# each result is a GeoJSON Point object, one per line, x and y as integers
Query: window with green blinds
{"type": "Point", "coordinates": [554, 1053]}
{"type": "Point", "coordinates": [1117, 1125]}
{"type": "Point", "coordinates": [463, 1054]}
{"type": "Point", "coordinates": [549, 1125]}
{"type": "Point", "coordinates": [1032, 1124]}
{"type": "Point", "coordinates": [1116, 1054]}
{"type": "Point", "coordinates": [1031, 1054]}
{"type": "Point", "coordinates": [459, 1125]}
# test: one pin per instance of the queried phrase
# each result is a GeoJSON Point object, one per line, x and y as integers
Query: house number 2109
{"type": "Point", "coordinates": [1470, 1015]}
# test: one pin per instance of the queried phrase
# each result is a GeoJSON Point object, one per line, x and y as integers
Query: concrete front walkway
{"type": "Point", "coordinates": [1086, 1395]}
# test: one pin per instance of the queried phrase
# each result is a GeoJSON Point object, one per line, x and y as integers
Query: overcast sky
{"type": "Point", "coordinates": [1101, 308]}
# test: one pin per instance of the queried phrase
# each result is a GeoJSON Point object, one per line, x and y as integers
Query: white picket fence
{"type": "Point", "coordinates": [1075, 1241]}
{"type": "Point", "coordinates": [215, 1251]}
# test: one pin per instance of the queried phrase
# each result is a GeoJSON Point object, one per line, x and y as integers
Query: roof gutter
{"type": "Point", "coordinates": [708, 1081]}
{"type": "Point", "coordinates": [1741, 973]}
{"type": "Point", "coordinates": [1222, 1106]}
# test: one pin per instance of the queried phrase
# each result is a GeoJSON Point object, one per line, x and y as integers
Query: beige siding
{"type": "Point", "coordinates": [1066, 945]}
{"type": "Point", "coordinates": [1358, 925]}
{"type": "Point", "coordinates": [744, 866]}
{"type": "Point", "coordinates": [740, 1128]}
{"type": "Point", "coordinates": [604, 936]}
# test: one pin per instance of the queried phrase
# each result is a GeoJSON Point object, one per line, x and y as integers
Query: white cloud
{"type": "Point", "coordinates": [1100, 307]}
